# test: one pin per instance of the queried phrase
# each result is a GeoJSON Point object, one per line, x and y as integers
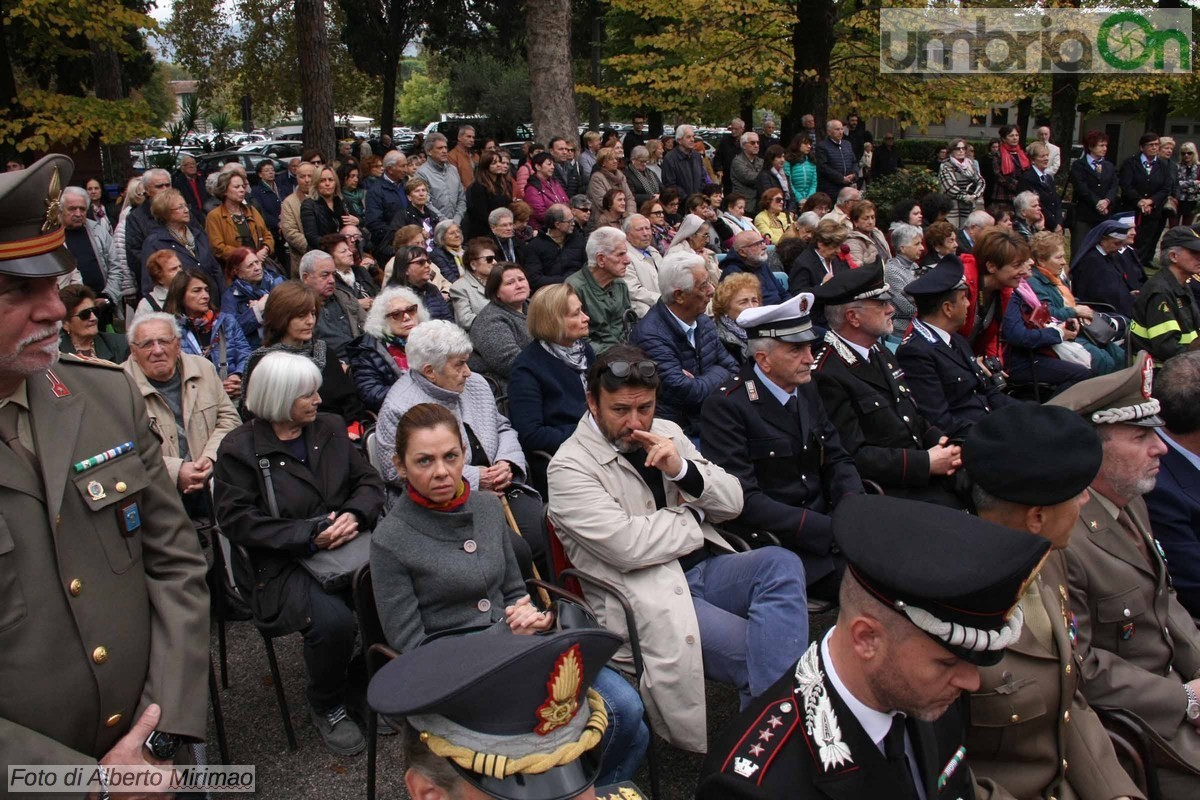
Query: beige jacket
{"type": "Point", "coordinates": [209, 412]}
{"type": "Point", "coordinates": [604, 514]}
{"type": "Point", "coordinates": [601, 183]}
{"type": "Point", "coordinates": [293, 230]}
{"type": "Point", "coordinates": [642, 279]}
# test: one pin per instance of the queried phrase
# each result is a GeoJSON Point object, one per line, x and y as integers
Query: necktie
{"type": "Point", "coordinates": [893, 750]}
{"type": "Point", "coordinates": [1096, 166]}
{"type": "Point", "coordinates": [1135, 534]}
{"type": "Point", "coordinates": [9, 433]}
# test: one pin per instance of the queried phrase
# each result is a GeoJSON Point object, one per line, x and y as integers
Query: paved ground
{"type": "Point", "coordinates": [256, 736]}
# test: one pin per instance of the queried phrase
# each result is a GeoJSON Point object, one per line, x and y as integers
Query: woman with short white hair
{"type": "Point", "coordinates": [378, 357]}
{"type": "Point", "coordinates": [438, 373]}
{"type": "Point", "coordinates": [317, 493]}
{"type": "Point", "coordinates": [908, 244]}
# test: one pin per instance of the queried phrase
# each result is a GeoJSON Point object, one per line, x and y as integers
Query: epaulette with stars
{"type": "Point", "coordinates": [763, 740]}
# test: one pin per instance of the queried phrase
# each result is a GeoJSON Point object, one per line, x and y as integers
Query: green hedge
{"type": "Point", "coordinates": [915, 182]}
{"type": "Point", "coordinates": [919, 152]}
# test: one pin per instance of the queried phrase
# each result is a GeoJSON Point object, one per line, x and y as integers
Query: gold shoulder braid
{"type": "Point", "coordinates": [500, 767]}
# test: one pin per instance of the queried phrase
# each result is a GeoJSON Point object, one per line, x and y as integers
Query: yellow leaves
{"type": "Point", "coordinates": [102, 21]}
{"type": "Point", "coordinates": [55, 119]}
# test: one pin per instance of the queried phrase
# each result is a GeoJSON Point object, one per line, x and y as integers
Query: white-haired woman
{"type": "Point", "coordinates": [326, 494]}
{"type": "Point", "coordinates": [377, 357]}
{"type": "Point", "coordinates": [908, 244]}
{"type": "Point", "coordinates": [438, 373]}
{"type": "Point", "coordinates": [447, 252]}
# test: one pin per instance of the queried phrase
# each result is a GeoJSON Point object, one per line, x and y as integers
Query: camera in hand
{"type": "Point", "coordinates": [996, 380]}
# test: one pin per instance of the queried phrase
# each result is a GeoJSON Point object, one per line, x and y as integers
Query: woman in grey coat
{"type": "Point", "coordinates": [438, 373]}
{"type": "Point", "coordinates": [442, 562]}
{"type": "Point", "coordinates": [499, 332]}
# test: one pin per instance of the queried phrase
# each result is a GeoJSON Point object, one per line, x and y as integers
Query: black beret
{"type": "Point", "coordinates": [864, 283]}
{"type": "Point", "coordinates": [504, 697]}
{"type": "Point", "coordinates": [946, 276]}
{"type": "Point", "coordinates": [1007, 454]}
{"type": "Point", "coordinates": [952, 575]}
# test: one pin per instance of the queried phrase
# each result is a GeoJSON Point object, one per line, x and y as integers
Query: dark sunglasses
{"type": "Point", "coordinates": [487, 259]}
{"type": "Point", "coordinates": [623, 369]}
{"type": "Point", "coordinates": [416, 261]}
{"type": "Point", "coordinates": [85, 314]}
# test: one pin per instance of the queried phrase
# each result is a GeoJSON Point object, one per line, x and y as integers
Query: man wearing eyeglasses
{"type": "Point", "coordinates": [91, 243]}
{"type": "Point", "coordinates": [748, 253]}
{"type": "Point", "coordinates": [138, 222]}
{"type": "Point", "coordinates": [745, 168]}
{"type": "Point", "coordinates": [635, 503]}
{"type": "Point", "coordinates": [103, 605]}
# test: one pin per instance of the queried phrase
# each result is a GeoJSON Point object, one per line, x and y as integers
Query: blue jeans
{"type": "Point", "coordinates": [752, 609]}
{"type": "Point", "coordinates": [624, 743]}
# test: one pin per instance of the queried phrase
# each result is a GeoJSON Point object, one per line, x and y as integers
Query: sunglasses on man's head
{"type": "Point", "coordinates": [623, 369]}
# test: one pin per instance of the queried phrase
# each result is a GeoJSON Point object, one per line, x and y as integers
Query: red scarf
{"type": "Point", "coordinates": [1006, 162]}
{"type": "Point", "coordinates": [458, 501]}
{"type": "Point", "coordinates": [204, 323]}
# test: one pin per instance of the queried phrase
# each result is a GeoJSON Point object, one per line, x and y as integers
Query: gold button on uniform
{"type": "Point", "coordinates": [121, 486]}
{"type": "Point", "coordinates": [76, 588]}
{"type": "Point", "coordinates": [1068, 669]}
{"type": "Point", "coordinates": [113, 720]}
{"type": "Point", "coordinates": [1066, 716]}
{"type": "Point", "coordinates": [1016, 717]}
{"type": "Point", "coordinates": [100, 655]}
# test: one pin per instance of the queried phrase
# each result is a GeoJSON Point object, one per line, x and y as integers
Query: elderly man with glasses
{"type": "Point", "coordinates": [91, 243]}
{"type": "Point", "coordinates": [748, 253]}
{"type": "Point", "coordinates": [139, 222]}
{"type": "Point", "coordinates": [635, 503]}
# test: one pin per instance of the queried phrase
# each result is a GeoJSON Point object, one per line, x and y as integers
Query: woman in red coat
{"type": "Point", "coordinates": [993, 269]}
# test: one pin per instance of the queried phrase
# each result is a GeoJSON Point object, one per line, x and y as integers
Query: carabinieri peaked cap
{"type": "Point", "coordinates": [952, 575]}
{"type": "Point", "coordinates": [515, 715]}
{"type": "Point", "coordinates": [789, 321]}
{"type": "Point", "coordinates": [864, 283]}
{"type": "Point", "coordinates": [32, 236]}
{"type": "Point", "coordinates": [946, 276]}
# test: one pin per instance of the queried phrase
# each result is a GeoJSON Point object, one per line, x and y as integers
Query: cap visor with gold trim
{"type": "Point", "coordinates": [1119, 397]}
{"type": "Point", "coordinates": [952, 575]}
{"type": "Point", "coordinates": [514, 715]}
{"type": "Point", "coordinates": [789, 321]}
{"type": "Point", "coordinates": [32, 238]}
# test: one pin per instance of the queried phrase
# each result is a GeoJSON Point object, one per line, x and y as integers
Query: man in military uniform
{"type": "Point", "coordinates": [1032, 732]}
{"type": "Point", "coordinates": [1139, 648]}
{"type": "Point", "coordinates": [103, 606]}
{"type": "Point", "coordinates": [868, 399]}
{"type": "Point", "coordinates": [769, 430]}
{"type": "Point", "coordinates": [874, 709]}
{"type": "Point", "coordinates": [948, 384]}
{"type": "Point", "coordinates": [490, 714]}
{"type": "Point", "coordinates": [1166, 317]}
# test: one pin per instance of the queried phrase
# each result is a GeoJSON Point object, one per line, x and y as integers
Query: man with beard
{"type": "Point", "coordinates": [634, 503]}
{"type": "Point", "coordinates": [1139, 649]}
{"type": "Point", "coordinates": [103, 607]}
{"type": "Point", "coordinates": [873, 710]}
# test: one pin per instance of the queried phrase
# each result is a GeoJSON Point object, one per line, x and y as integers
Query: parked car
{"type": "Point", "coordinates": [274, 148]}
{"type": "Point", "coordinates": [212, 162]}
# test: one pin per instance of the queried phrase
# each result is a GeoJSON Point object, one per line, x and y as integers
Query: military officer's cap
{"type": "Point", "coordinates": [1123, 396]}
{"type": "Point", "coordinates": [1181, 236]}
{"type": "Point", "coordinates": [952, 575]}
{"type": "Point", "coordinates": [946, 276]}
{"type": "Point", "coordinates": [32, 236]}
{"type": "Point", "coordinates": [864, 283]}
{"type": "Point", "coordinates": [1005, 453]}
{"type": "Point", "coordinates": [515, 715]}
{"type": "Point", "coordinates": [789, 321]}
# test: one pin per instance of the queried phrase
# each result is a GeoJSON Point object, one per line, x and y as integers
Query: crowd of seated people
{"type": "Point", "coordinates": [654, 386]}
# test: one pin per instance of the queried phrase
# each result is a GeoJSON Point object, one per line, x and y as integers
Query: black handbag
{"type": "Point", "coordinates": [1102, 330]}
{"type": "Point", "coordinates": [333, 569]}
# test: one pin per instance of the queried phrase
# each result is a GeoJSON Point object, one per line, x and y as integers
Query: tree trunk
{"type": "Point", "coordinates": [1064, 94]}
{"type": "Point", "coordinates": [1159, 104]}
{"type": "Point", "coordinates": [654, 125]}
{"type": "Point", "coordinates": [1024, 109]}
{"type": "Point", "coordinates": [746, 109]}
{"type": "Point", "coordinates": [106, 75]}
{"type": "Point", "coordinates": [316, 80]}
{"type": "Point", "coordinates": [594, 66]}
{"type": "Point", "coordinates": [551, 86]}
{"type": "Point", "coordinates": [10, 104]}
{"type": "Point", "coordinates": [812, 47]}
{"type": "Point", "coordinates": [387, 114]}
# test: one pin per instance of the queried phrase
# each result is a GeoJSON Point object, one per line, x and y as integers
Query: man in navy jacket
{"type": "Point", "coordinates": [385, 199]}
{"type": "Point", "coordinates": [748, 253]}
{"type": "Point", "coordinates": [682, 340]}
{"type": "Point", "coordinates": [1175, 502]}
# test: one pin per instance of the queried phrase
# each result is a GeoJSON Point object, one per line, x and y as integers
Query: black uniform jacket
{"type": "Point", "coordinates": [799, 740]}
{"type": "Point", "coordinates": [946, 380]}
{"type": "Point", "coordinates": [876, 416]}
{"type": "Point", "coordinates": [792, 466]}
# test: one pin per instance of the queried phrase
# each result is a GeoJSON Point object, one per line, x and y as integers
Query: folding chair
{"type": "Point", "coordinates": [376, 653]}
{"type": "Point", "coordinates": [1133, 747]}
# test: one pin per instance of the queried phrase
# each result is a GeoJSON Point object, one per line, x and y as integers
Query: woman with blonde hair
{"type": "Point", "coordinates": [324, 212]}
{"type": "Point", "coordinates": [774, 222]}
{"type": "Point", "coordinates": [235, 223]}
{"type": "Point", "coordinates": [866, 242]}
{"type": "Point", "coordinates": [735, 294]}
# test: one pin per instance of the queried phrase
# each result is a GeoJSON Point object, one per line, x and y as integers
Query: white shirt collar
{"type": "Point", "coordinates": [875, 724]}
{"type": "Point", "coordinates": [865, 352]}
{"type": "Point", "coordinates": [773, 388]}
{"type": "Point", "coordinates": [688, 330]}
{"type": "Point", "coordinates": [943, 335]}
{"type": "Point", "coordinates": [1193, 458]}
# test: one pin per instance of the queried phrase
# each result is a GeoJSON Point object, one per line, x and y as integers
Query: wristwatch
{"type": "Point", "coordinates": [1193, 704]}
{"type": "Point", "coordinates": [163, 745]}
